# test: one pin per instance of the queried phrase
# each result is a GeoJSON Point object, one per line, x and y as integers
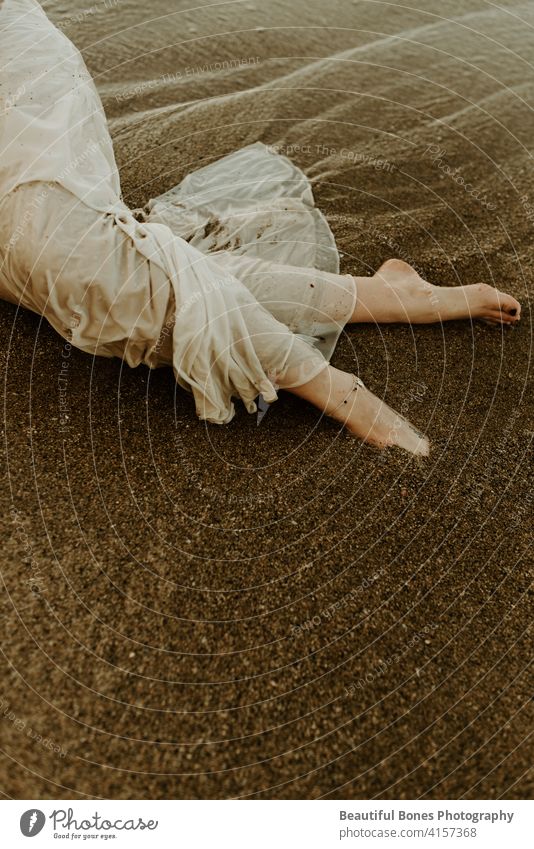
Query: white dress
{"type": "Point", "coordinates": [228, 277]}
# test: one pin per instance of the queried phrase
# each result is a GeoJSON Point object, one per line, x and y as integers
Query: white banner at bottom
{"type": "Point", "coordinates": [268, 824]}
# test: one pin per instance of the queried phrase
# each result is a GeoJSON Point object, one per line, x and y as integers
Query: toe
{"type": "Point", "coordinates": [496, 304]}
{"type": "Point", "coordinates": [424, 448]}
{"type": "Point", "coordinates": [499, 306]}
{"type": "Point", "coordinates": [496, 317]}
{"type": "Point", "coordinates": [508, 305]}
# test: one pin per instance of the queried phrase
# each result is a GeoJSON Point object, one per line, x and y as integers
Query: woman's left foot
{"type": "Point", "coordinates": [373, 421]}
{"type": "Point", "coordinates": [396, 293]}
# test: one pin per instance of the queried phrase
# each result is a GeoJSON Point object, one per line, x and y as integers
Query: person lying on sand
{"type": "Point", "coordinates": [231, 277]}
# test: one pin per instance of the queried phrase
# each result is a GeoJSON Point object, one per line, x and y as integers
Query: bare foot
{"type": "Point", "coordinates": [396, 293]}
{"type": "Point", "coordinates": [369, 418]}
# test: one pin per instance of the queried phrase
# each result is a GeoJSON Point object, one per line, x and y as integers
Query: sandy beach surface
{"type": "Point", "coordinates": [278, 611]}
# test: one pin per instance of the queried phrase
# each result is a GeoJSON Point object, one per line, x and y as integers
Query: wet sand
{"type": "Point", "coordinates": [278, 611]}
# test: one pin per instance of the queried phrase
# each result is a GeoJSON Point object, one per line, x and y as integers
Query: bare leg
{"type": "Point", "coordinates": [362, 413]}
{"type": "Point", "coordinates": [396, 293]}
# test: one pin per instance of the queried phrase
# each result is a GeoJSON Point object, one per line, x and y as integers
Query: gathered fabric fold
{"type": "Point", "coordinates": [224, 277]}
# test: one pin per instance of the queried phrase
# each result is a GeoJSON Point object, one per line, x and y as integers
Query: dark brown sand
{"type": "Point", "coordinates": [278, 611]}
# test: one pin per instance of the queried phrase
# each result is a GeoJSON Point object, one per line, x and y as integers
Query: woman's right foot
{"type": "Point", "coordinates": [396, 293]}
{"type": "Point", "coordinates": [370, 419]}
